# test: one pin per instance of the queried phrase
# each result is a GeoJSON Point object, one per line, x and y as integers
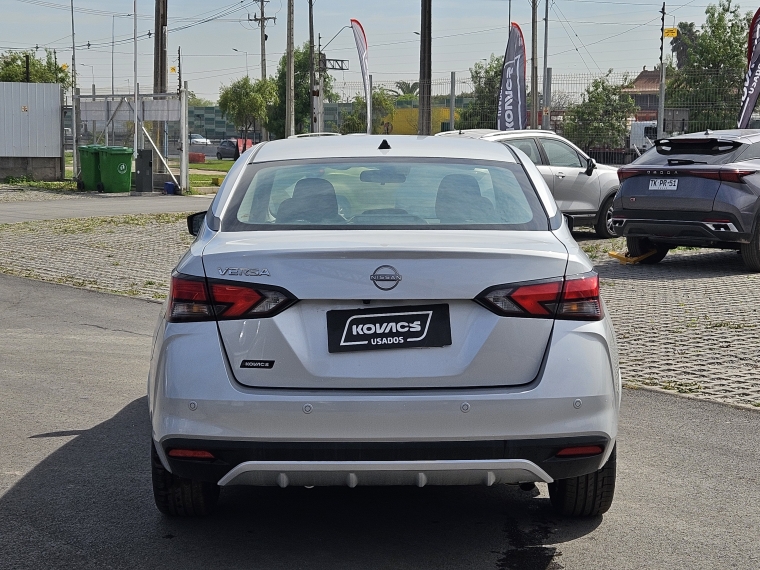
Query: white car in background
{"type": "Point", "coordinates": [368, 310]}
{"type": "Point", "coordinates": [199, 139]}
{"type": "Point", "coordinates": [583, 189]}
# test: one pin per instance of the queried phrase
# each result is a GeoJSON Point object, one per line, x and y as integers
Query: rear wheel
{"type": "Point", "coordinates": [180, 497]}
{"type": "Point", "coordinates": [751, 251]}
{"type": "Point", "coordinates": [603, 225]}
{"type": "Point", "coordinates": [219, 156]}
{"type": "Point", "coordinates": [588, 495]}
{"type": "Point", "coordinates": [641, 246]}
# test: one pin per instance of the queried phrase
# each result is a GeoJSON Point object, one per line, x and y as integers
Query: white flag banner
{"type": "Point", "coordinates": [362, 47]}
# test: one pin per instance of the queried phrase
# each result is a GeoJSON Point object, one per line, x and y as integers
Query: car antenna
{"type": "Point", "coordinates": [707, 132]}
{"type": "Point", "coordinates": [384, 145]}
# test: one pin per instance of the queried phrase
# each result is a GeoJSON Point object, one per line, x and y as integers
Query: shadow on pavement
{"type": "Point", "coordinates": [89, 505]}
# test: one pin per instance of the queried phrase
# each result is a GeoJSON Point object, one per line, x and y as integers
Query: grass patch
{"type": "Point", "coordinates": [214, 164]}
{"type": "Point", "coordinates": [201, 180]}
{"type": "Point", "coordinates": [682, 387]}
{"type": "Point", "coordinates": [57, 186]}
{"type": "Point", "coordinates": [89, 225]}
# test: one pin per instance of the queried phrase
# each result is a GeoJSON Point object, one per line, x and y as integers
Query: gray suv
{"type": "Point", "coordinates": [700, 189]}
{"type": "Point", "coordinates": [583, 189]}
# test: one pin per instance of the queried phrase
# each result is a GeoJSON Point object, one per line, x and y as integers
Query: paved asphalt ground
{"type": "Point", "coordinates": [75, 482]}
{"type": "Point", "coordinates": [100, 205]}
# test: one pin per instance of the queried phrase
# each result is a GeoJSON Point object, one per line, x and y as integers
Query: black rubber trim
{"type": "Point", "coordinates": [229, 454]}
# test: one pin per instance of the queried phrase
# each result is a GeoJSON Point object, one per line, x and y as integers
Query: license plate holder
{"type": "Point", "coordinates": [663, 184]}
{"type": "Point", "coordinates": [382, 328]}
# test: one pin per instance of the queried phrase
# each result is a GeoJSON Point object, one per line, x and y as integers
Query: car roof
{"type": "Point", "coordinates": [367, 146]}
{"type": "Point", "coordinates": [746, 135]}
{"type": "Point", "coordinates": [493, 134]}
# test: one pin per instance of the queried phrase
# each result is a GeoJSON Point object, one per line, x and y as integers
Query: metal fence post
{"type": "Point", "coordinates": [184, 173]}
{"type": "Point", "coordinates": [546, 121]}
{"type": "Point", "coordinates": [452, 101]}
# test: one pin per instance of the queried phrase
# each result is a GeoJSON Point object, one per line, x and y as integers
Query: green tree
{"type": "Point", "coordinates": [711, 65]}
{"type": "Point", "coordinates": [41, 70]}
{"type": "Point", "coordinates": [482, 112]}
{"type": "Point", "coordinates": [244, 102]}
{"type": "Point", "coordinates": [194, 101]}
{"type": "Point", "coordinates": [600, 120]}
{"type": "Point", "coordinates": [405, 88]}
{"type": "Point", "coordinates": [302, 119]}
{"type": "Point", "coordinates": [355, 121]}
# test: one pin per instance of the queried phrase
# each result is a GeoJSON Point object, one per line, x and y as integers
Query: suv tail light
{"type": "Point", "coordinates": [571, 298]}
{"type": "Point", "coordinates": [192, 299]}
{"type": "Point", "coordinates": [723, 174]}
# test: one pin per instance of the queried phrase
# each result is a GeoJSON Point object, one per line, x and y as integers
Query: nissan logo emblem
{"type": "Point", "coordinates": [385, 277]}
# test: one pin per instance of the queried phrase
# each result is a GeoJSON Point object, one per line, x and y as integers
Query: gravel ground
{"type": "Point", "coordinates": [688, 324]}
{"type": "Point", "coordinates": [11, 193]}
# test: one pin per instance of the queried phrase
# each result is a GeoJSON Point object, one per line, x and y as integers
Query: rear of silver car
{"type": "Point", "coordinates": [398, 340]}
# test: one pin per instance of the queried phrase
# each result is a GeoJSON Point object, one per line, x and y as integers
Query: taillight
{"type": "Point", "coordinates": [572, 298]}
{"type": "Point", "coordinates": [191, 300]}
{"type": "Point", "coordinates": [624, 173]}
{"type": "Point", "coordinates": [735, 175]}
{"type": "Point", "coordinates": [188, 300]}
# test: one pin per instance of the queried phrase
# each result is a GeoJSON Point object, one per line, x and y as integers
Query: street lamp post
{"type": "Point", "coordinates": [246, 59]}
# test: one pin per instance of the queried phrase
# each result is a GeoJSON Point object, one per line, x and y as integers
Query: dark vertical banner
{"type": "Point", "coordinates": [513, 106]}
{"type": "Point", "coordinates": [751, 88]}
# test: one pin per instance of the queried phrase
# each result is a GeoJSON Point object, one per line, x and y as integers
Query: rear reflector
{"type": "Point", "coordinates": [573, 298]}
{"type": "Point", "coordinates": [192, 300]}
{"type": "Point", "coordinates": [190, 454]}
{"type": "Point", "coordinates": [581, 451]}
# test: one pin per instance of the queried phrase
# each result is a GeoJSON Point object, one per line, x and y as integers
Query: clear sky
{"type": "Point", "coordinates": [585, 36]}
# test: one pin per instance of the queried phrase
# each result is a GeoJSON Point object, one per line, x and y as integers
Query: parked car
{"type": "Point", "coordinates": [372, 310]}
{"type": "Point", "coordinates": [199, 139]}
{"type": "Point", "coordinates": [582, 188]}
{"type": "Point", "coordinates": [700, 189]}
{"type": "Point", "coordinates": [226, 149]}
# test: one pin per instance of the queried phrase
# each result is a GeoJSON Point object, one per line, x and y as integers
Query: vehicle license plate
{"type": "Point", "coordinates": [663, 184]}
{"type": "Point", "coordinates": [388, 327]}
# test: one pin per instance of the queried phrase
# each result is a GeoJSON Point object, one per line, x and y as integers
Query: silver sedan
{"type": "Point", "coordinates": [368, 310]}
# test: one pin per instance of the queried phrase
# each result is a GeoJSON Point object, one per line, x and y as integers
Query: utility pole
{"type": "Point", "coordinates": [311, 67]}
{"type": "Point", "coordinates": [159, 71]}
{"type": "Point", "coordinates": [290, 126]}
{"type": "Point", "coordinates": [424, 120]}
{"type": "Point", "coordinates": [661, 102]}
{"type": "Point", "coordinates": [534, 66]}
{"type": "Point", "coordinates": [545, 110]}
{"type": "Point", "coordinates": [74, 99]}
{"type": "Point", "coordinates": [137, 117]}
{"type": "Point", "coordinates": [262, 22]}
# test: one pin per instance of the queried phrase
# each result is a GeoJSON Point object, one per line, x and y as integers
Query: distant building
{"type": "Point", "coordinates": [645, 91]}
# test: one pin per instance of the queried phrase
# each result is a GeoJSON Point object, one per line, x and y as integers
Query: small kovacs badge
{"type": "Point", "coordinates": [385, 277]}
{"type": "Point", "coordinates": [257, 364]}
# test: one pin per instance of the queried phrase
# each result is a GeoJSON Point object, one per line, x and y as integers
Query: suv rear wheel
{"type": "Point", "coordinates": [751, 251]}
{"type": "Point", "coordinates": [603, 224]}
{"type": "Point", "coordinates": [641, 246]}
{"type": "Point", "coordinates": [588, 495]}
{"type": "Point", "coordinates": [180, 497]}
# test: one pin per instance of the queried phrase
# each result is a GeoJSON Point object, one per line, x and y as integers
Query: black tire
{"type": "Point", "coordinates": [588, 495]}
{"type": "Point", "coordinates": [80, 185]}
{"type": "Point", "coordinates": [751, 251]}
{"type": "Point", "coordinates": [100, 187]}
{"type": "Point", "coordinates": [219, 156]}
{"type": "Point", "coordinates": [603, 224]}
{"type": "Point", "coordinates": [180, 497]}
{"type": "Point", "coordinates": [640, 246]}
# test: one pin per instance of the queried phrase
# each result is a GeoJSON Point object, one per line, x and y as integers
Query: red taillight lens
{"type": "Point", "coordinates": [581, 451]}
{"type": "Point", "coordinates": [191, 454]}
{"type": "Point", "coordinates": [191, 300]}
{"type": "Point", "coordinates": [580, 298]}
{"type": "Point", "coordinates": [624, 173]}
{"type": "Point", "coordinates": [188, 300]}
{"type": "Point", "coordinates": [735, 175]}
{"type": "Point", "coordinates": [573, 298]}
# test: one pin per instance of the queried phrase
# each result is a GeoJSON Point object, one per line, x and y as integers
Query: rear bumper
{"type": "Point", "coordinates": [386, 463]}
{"type": "Point", "coordinates": [681, 228]}
{"type": "Point", "coordinates": [199, 405]}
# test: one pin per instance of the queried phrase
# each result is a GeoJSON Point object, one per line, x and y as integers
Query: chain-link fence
{"type": "Point", "coordinates": [611, 116]}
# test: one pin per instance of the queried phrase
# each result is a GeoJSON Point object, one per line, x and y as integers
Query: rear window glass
{"type": "Point", "coordinates": [362, 194]}
{"type": "Point", "coordinates": [691, 151]}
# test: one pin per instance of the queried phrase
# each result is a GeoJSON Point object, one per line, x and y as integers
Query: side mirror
{"type": "Point", "coordinates": [569, 220]}
{"type": "Point", "coordinates": [590, 166]}
{"type": "Point", "coordinates": [195, 222]}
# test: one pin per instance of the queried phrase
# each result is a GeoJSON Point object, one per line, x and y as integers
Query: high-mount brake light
{"type": "Point", "coordinates": [572, 298]}
{"type": "Point", "coordinates": [191, 300]}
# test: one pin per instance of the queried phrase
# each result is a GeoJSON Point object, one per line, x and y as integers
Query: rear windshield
{"type": "Point", "coordinates": [692, 151]}
{"type": "Point", "coordinates": [396, 194]}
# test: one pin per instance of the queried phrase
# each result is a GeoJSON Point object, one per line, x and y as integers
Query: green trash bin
{"type": "Point", "coordinates": [89, 157]}
{"type": "Point", "coordinates": [116, 168]}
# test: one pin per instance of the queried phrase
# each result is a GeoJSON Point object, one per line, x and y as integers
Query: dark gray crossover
{"type": "Point", "coordinates": [701, 189]}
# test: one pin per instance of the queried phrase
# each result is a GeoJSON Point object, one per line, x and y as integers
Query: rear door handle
{"type": "Point", "coordinates": [560, 174]}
